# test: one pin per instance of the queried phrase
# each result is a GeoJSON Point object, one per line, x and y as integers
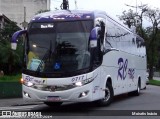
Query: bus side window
{"type": "Point", "coordinates": [110, 40]}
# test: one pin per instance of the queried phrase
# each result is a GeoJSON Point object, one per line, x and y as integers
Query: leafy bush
{"type": "Point", "coordinates": [11, 78]}
{"type": "Point", "coordinates": [10, 61]}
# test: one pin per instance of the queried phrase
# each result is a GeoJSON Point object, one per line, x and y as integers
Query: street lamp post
{"type": "Point", "coordinates": [24, 23]}
{"type": "Point", "coordinates": [65, 5]}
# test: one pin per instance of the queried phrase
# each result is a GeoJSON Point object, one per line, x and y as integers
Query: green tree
{"type": "Point", "coordinates": [9, 59]}
{"type": "Point", "coordinates": [153, 15]}
{"type": "Point", "coordinates": [8, 30]}
{"type": "Point", "coordinates": [128, 18]}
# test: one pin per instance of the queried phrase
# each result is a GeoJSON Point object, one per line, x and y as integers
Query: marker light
{"type": "Point", "coordinates": [22, 81]}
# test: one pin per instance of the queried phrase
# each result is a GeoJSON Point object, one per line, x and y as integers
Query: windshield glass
{"type": "Point", "coordinates": [59, 46]}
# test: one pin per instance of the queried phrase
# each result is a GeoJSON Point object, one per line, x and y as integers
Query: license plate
{"type": "Point", "coordinates": [54, 98]}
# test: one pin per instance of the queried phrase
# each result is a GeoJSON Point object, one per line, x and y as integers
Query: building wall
{"type": "Point", "coordinates": [3, 20]}
{"type": "Point", "coordinates": [14, 9]}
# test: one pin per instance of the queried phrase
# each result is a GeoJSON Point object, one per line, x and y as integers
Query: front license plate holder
{"type": "Point", "coordinates": [54, 98]}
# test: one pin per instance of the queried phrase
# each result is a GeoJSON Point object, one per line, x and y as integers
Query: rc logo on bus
{"type": "Point", "coordinates": [123, 70]}
{"type": "Point", "coordinates": [28, 78]}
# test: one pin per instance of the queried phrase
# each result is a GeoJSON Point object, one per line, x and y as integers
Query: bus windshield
{"type": "Point", "coordinates": [59, 46]}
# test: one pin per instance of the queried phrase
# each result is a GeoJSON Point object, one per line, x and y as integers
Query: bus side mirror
{"type": "Point", "coordinates": [14, 38]}
{"type": "Point", "coordinates": [94, 35]}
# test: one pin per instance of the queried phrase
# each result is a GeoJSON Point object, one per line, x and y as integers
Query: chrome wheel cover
{"type": "Point", "coordinates": [107, 94]}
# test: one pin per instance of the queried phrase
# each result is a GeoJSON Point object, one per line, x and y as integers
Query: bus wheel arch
{"type": "Point", "coordinates": [108, 97]}
{"type": "Point", "coordinates": [137, 91]}
{"type": "Point", "coordinates": [139, 81]}
{"type": "Point", "coordinates": [109, 80]}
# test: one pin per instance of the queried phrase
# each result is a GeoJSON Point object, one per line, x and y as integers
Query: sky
{"type": "Point", "coordinates": [112, 7]}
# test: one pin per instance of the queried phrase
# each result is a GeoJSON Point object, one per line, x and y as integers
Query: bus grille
{"type": "Point", "coordinates": [53, 88]}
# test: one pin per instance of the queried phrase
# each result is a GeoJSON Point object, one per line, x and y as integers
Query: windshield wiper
{"type": "Point", "coordinates": [46, 56]}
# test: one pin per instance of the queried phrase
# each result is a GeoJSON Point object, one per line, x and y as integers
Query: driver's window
{"type": "Point", "coordinates": [98, 53]}
{"type": "Point", "coordinates": [100, 22]}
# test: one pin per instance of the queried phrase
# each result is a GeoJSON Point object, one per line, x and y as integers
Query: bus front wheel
{"type": "Point", "coordinates": [108, 98]}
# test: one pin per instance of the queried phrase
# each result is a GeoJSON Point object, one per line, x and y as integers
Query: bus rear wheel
{"type": "Point", "coordinates": [53, 104]}
{"type": "Point", "coordinates": [137, 91]}
{"type": "Point", "coordinates": [108, 98]}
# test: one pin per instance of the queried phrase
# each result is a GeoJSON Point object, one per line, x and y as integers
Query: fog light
{"type": "Point", "coordinates": [83, 94]}
{"type": "Point", "coordinates": [26, 94]}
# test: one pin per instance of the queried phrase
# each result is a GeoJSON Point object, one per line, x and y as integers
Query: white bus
{"type": "Point", "coordinates": [80, 56]}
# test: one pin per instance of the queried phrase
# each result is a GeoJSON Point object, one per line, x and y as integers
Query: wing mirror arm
{"type": "Point", "coordinates": [14, 38]}
{"type": "Point", "coordinates": [94, 37]}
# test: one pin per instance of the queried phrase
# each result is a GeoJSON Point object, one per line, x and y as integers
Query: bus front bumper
{"type": "Point", "coordinates": [77, 94]}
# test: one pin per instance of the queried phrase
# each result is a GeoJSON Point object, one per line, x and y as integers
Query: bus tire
{"type": "Point", "coordinates": [53, 104]}
{"type": "Point", "coordinates": [136, 92]}
{"type": "Point", "coordinates": [108, 96]}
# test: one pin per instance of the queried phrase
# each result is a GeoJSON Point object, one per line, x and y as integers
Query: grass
{"type": "Point", "coordinates": [154, 82]}
{"type": "Point", "coordinates": [12, 78]}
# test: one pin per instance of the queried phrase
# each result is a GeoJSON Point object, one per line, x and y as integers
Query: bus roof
{"type": "Point", "coordinates": [69, 15]}
{"type": "Point", "coordinates": [63, 15]}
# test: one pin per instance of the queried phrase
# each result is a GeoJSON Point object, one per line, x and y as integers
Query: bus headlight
{"type": "Point", "coordinates": [78, 84]}
{"type": "Point", "coordinates": [26, 83]}
{"type": "Point", "coordinates": [84, 82]}
{"type": "Point", "coordinates": [29, 84]}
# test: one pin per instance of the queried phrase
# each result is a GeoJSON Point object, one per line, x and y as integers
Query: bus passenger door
{"type": "Point", "coordinates": [96, 84]}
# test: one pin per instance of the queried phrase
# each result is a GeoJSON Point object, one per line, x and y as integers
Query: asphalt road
{"type": "Point", "coordinates": [123, 107]}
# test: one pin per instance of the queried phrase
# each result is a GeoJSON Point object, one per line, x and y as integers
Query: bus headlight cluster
{"type": "Point", "coordinates": [29, 84]}
{"type": "Point", "coordinates": [84, 82]}
{"type": "Point", "coordinates": [26, 83]}
{"type": "Point", "coordinates": [78, 84]}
